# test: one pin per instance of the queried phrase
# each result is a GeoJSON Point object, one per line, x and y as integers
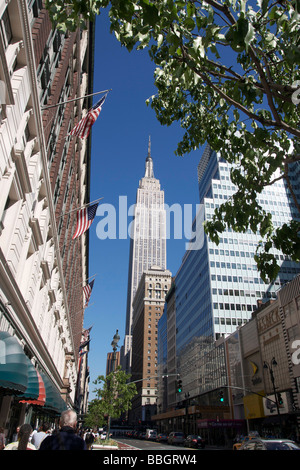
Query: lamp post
{"type": "Point", "coordinates": [114, 345]}
{"type": "Point", "coordinates": [270, 368]}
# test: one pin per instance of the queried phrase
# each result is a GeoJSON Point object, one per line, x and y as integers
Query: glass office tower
{"type": "Point", "coordinates": [217, 287]}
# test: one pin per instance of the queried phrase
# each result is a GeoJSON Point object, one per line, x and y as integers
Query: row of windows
{"type": "Point", "coordinates": [230, 321]}
{"type": "Point", "coordinates": [234, 307]}
{"type": "Point", "coordinates": [239, 266]}
{"type": "Point", "coordinates": [241, 253]}
{"type": "Point", "coordinates": [240, 293]}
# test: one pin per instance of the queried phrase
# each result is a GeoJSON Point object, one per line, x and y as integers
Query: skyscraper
{"type": "Point", "coordinates": [147, 244]}
{"type": "Point", "coordinates": [218, 287]}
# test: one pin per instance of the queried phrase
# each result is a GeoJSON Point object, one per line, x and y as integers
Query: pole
{"type": "Point", "coordinates": [74, 99]}
{"type": "Point", "coordinates": [276, 399]}
{"type": "Point", "coordinates": [79, 208]}
{"type": "Point", "coordinates": [114, 344]}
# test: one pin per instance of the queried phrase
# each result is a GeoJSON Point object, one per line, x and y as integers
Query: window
{"type": "Point", "coordinates": [6, 29]}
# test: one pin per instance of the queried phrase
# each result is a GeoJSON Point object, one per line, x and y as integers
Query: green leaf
{"type": "Point", "coordinates": [150, 13]}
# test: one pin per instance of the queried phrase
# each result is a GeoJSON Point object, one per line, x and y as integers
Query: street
{"type": "Point", "coordinates": [148, 445]}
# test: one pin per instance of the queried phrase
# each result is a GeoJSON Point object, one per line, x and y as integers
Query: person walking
{"type": "Point", "coordinates": [23, 440]}
{"type": "Point", "coordinates": [89, 439]}
{"type": "Point", "coordinates": [15, 435]}
{"type": "Point", "coordinates": [2, 438]}
{"type": "Point", "coordinates": [66, 438]}
{"type": "Point", "coordinates": [39, 436]}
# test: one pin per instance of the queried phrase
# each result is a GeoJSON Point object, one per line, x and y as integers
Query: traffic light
{"type": "Point", "coordinates": [221, 397]}
{"type": "Point", "coordinates": [279, 399]}
{"type": "Point", "coordinates": [179, 385]}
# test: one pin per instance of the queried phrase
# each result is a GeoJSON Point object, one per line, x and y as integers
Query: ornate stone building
{"type": "Point", "coordinates": [44, 178]}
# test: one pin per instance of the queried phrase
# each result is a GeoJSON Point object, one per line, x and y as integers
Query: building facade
{"type": "Point", "coordinates": [147, 244]}
{"type": "Point", "coordinates": [112, 361]}
{"type": "Point", "coordinates": [251, 378]}
{"type": "Point", "coordinates": [44, 177]}
{"type": "Point", "coordinates": [217, 289]}
{"type": "Point", "coordinates": [148, 307]}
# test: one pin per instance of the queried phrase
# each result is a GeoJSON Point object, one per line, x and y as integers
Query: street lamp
{"type": "Point", "coordinates": [114, 344]}
{"type": "Point", "coordinates": [270, 367]}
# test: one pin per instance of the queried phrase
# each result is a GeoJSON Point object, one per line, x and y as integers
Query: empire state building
{"type": "Point", "coordinates": [148, 241]}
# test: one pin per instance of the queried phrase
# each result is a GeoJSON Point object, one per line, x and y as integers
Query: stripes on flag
{"type": "Point", "coordinates": [87, 290]}
{"type": "Point", "coordinates": [85, 218]}
{"type": "Point", "coordinates": [82, 129]}
{"type": "Point", "coordinates": [82, 345]}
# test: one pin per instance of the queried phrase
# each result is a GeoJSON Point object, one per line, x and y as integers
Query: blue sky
{"type": "Point", "coordinates": [119, 149]}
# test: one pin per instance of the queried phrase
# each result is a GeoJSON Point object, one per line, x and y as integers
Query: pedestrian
{"type": "Point", "coordinates": [39, 436]}
{"type": "Point", "coordinates": [66, 438]}
{"type": "Point", "coordinates": [23, 439]}
{"type": "Point", "coordinates": [89, 439]}
{"type": "Point", "coordinates": [2, 439]}
{"type": "Point", "coordinates": [15, 435]}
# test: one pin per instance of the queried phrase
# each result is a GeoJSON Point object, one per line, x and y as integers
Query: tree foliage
{"type": "Point", "coordinates": [228, 72]}
{"type": "Point", "coordinates": [113, 397]}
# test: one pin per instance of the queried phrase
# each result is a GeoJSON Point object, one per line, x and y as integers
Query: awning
{"type": "Point", "coordinates": [54, 401]}
{"type": "Point", "coordinates": [13, 365]}
{"type": "Point", "coordinates": [19, 377]}
{"type": "Point", "coordinates": [35, 393]}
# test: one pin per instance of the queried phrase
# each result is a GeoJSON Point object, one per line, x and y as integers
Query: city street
{"type": "Point", "coordinates": [147, 445]}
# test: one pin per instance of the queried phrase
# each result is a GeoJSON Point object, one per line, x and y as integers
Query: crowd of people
{"type": "Point", "coordinates": [44, 438]}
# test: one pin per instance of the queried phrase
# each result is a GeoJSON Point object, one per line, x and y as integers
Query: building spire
{"type": "Point", "coordinates": [149, 147]}
{"type": "Point", "coordinates": [149, 162]}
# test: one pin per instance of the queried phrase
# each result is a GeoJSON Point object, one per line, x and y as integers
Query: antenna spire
{"type": "Point", "coordinates": [149, 147]}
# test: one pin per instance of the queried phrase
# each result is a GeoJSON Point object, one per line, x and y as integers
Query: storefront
{"type": "Point", "coordinates": [27, 395]}
{"type": "Point", "coordinates": [221, 432]}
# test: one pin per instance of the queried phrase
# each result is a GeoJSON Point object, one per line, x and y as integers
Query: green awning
{"type": "Point", "coordinates": [13, 365]}
{"type": "Point", "coordinates": [54, 401]}
{"type": "Point", "coordinates": [33, 389]}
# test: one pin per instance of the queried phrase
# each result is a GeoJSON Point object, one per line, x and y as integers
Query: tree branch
{"type": "Point", "coordinates": [266, 122]}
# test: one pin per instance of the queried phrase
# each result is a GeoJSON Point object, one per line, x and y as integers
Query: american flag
{"type": "Point", "coordinates": [85, 343]}
{"type": "Point", "coordinates": [87, 290]}
{"type": "Point", "coordinates": [85, 218]}
{"type": "Point", "coordinates": [82, 129]}
{"type": "Point", "coordinates": [86, 332]}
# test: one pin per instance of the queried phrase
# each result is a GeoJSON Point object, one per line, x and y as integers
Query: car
{"type": "Point", "coordinates": [151, 434]}
{"type": "Point", "coordinates": [252, 435]}
{"type": "Point", "coordinates": [162, 437]}
{"type": "Point", "coordinates": [194, 441]}
{"type": "Point", "coordinates": [176, 438]}
{"type": "Point", "coordinates": [269, 444]}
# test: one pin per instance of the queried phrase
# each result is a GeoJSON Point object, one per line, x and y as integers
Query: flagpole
{"type": "Point", "coordinates": [78, 209]}
{"type": "Point", "coordinates": [81, 333]}
{"type": "Point", "coordinates": [94, 275]}
{"type": "Point", "coordinates": [83, 308]}
{"type": "Point", "coordinates": [75, 99]}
